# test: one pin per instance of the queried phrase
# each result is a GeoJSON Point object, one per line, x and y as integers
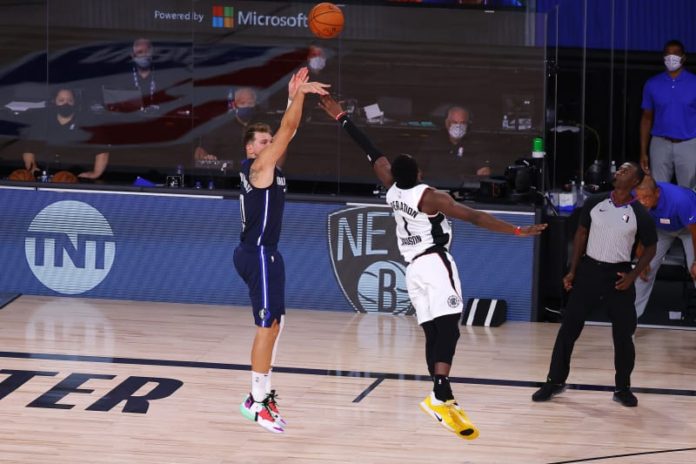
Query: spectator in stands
{"type": "Point", "coordinates": [447, 151]}
{"type": "Point", "coordinates": [224, 142]}
{"type": "Point", "coordinates": [60, 137]}
{"type": "Point", "coordinates": [143, 73]}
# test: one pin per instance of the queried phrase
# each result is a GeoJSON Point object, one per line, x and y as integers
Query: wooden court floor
{"type": "Point", "coordinates": [94, 381]}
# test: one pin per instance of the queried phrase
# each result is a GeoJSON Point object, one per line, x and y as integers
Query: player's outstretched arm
{"type": "Point", "coordinates": [261, 174]}
{"type": "Point", "coordinates": [434, 201]}
{"type": "Point", "coordinates": [380, 164]}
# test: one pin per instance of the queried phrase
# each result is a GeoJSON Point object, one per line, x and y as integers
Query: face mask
{"type": "Point", "coordinates": [65, 110]}
{"type": "Point", "coordinates": [457, 131]}
{"type": "Point", "coordinates": [143, 62]}
{"type": "Point", "coordinates": [672, 62]}
{"type": "Point", "coordinates": [317, 63]}
{"type": "Point", "coordinates": [246, 113]}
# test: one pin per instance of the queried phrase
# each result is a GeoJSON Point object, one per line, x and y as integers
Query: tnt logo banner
{"type": "Point", "coordinates": [70, 247]}
{"type": "Point", "coordinates": [366, 259]}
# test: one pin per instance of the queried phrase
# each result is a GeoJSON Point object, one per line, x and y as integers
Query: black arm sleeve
{"type": "Point", "coordinates": [647, 232]}
{"type": "Point", "coordinates": [592, 201]}
{"type": "Point", "coordinates": [359, 137]}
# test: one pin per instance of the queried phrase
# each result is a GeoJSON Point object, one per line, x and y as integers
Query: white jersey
{"type": "Point", "coordinates": [415, 230]}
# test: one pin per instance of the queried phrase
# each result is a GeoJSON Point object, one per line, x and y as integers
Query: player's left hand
{"type": "Point", "coordinates": [297, 79]}
{"type": "Point", "coordinates": [536, 229]}
{"type": "Point", "coordinates": [314, 87]}
{"type": "Point", "coordinates": [692, 270]}
{"type": "Point", "coordinates": [625, 280]}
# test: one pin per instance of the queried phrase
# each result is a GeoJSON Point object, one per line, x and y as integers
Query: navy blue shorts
{"type": "Point", "coordinates": [263, 271]}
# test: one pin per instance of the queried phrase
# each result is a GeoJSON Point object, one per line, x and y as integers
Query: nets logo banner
{"type": "Point", "coordinates": [366, 259]}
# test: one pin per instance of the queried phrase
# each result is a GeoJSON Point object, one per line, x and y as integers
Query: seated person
{"type": "Point", "coordinates": [446, 153]}
{"type": "Point", "coordinates": [457, 124]}
{"type": "Point", "coordinates": [223, 142]}
{"type": "Point", "coordinates": [60, 135]}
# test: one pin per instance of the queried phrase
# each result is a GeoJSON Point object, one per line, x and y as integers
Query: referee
{"type": "Point", "coordinates": [610, 226]}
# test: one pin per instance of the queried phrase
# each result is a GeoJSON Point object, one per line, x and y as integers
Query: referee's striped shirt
{"type": "Point", "coordinates": [615, 230]}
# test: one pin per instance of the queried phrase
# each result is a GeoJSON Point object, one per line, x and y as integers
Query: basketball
{"type": "Point", "coordinates": [325, 20]}
{"type": "Point", "coordinates": [64, 177]}
{"type": "Point", "coordinates": [21, 175]}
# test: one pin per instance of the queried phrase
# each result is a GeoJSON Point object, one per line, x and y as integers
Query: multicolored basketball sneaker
{"type": "Point", "coordinates": [260, 413]}
{"type": "Point", "coordinates": [272, 404]}
{"type": "Point", "coordinates": [451, 417]}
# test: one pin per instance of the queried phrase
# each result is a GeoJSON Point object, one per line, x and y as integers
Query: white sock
{"type": "Point", "coordinates": [268, 381]}
{"type": "Point", "coordinates": [258, 386]}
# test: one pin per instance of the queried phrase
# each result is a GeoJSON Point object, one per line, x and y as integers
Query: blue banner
{"type": "Point", "coordinates": [179, 249]}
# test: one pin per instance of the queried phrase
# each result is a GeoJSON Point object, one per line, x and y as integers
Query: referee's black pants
{"type": "Point", "coordinates": [594, 287]}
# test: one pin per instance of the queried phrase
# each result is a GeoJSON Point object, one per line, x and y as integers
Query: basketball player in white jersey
{"type": "Point", "coordinates": [424, 236]}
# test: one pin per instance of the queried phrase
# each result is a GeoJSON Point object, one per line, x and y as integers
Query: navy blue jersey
{"type": "Point", "coordinates": [261, 209]}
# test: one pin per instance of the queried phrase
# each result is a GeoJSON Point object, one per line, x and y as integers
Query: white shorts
{"type": "Point", "coordinates": [433, 286]}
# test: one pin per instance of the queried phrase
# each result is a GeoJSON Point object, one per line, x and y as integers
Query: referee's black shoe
{"type": "Point", "coordinates": [626, 398]}
{"type": "Point", "coordinates": [548, 390]}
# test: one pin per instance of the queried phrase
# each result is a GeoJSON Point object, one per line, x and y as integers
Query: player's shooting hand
{"type": "Point", "coordinates": [625, 280]}
{"type": "Point", "coordinates": [330, 106]}
{"type": "Point", "coordinates": [536, 229]}
{"type": "Point", "coordinates": [314, 87]}
{"type": "Point", "coordinates": [644, 274]}
{"type": "Point", "coordinates": [297, 79]}
{"type": "Point", "coordinates": [568, 281]}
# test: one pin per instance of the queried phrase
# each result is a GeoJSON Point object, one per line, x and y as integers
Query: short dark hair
{"type": "Point", "coordinates": [252, 129]}
{"type": "Point", "coordinates": [404, 170]}
{"type": "Point", "coordinates": [674, 43]}
{"type": "Point", "coordinates": [640, 174]}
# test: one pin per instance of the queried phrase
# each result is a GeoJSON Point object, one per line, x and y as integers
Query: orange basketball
{"type": "Point", "coordinates": [22, 175]}
{"type": "Point", "coordinates": [325, 20]}
{"type": "Point", "coordinates": [64, 177]}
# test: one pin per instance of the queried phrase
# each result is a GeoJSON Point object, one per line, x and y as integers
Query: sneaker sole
{"type": "Point", "coordinates": [469, 430]}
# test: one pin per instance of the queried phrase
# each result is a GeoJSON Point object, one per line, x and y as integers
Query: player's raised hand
{"type": "Point", "coordinates": [297, 79]}
{"type": "Point", "coordinates": [314, 87]}
{"type": "Point", "coordinates": [330, 106]}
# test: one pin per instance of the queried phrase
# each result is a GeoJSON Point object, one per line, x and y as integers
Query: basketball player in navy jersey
{"type": "Point", "coordinates": [424, 236]}
{"type": "Point", "coordinates": [257, 259]}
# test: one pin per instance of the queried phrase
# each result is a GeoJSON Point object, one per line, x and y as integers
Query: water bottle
{"type": "Point", "coordinates": [230, 100]}
{"type": "Point", "coordinates": [612, 169]}
{"type": "Point", "coordinates": [180, 173]}
{"type": "Point", "coordinates": [581, 195]}
{"type": "Point", "coordinates": [506, 123]}
{"type": "Point", "coordinates": [211, 185]}
{"type": "Point", "coordinates": [44, 176]}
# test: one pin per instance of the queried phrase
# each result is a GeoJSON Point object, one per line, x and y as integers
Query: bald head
{"type": "Point", "coordinates": [245, 97]}
{"type": "Point", "coordinates": [648, 193]}
{"type": "Point", "coordinates": [457, 115]}
{"type": "Point", "coordinates": [648, 183]}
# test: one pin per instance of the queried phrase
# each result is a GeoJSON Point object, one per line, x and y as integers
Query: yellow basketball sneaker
{"type": "Point", "coordinates": [450, 416]}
